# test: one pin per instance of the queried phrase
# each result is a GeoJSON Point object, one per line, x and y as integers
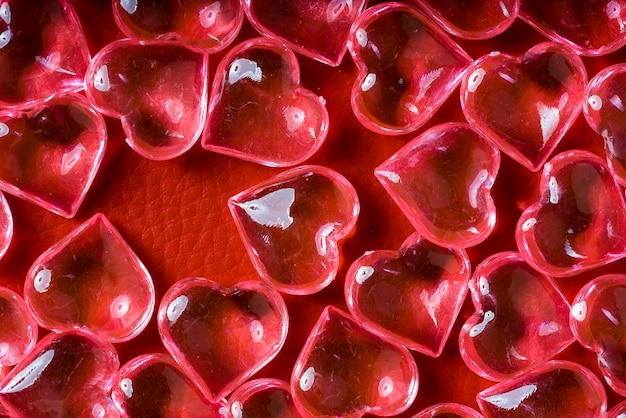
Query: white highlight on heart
{"type": "Point", "coordinates": [71, 158]}
{"type": "Point", "coordinates": [176, 308]}
{"type": "Point", "coordinates": [175, 110]}
{"type": "Point", "coordinates": [126, 385]}
{"type": "Point", "coordinates": [363, 273]}
{"type": "Point", "coordinates": [432, 302]}
{"type": "Point", "coordinates": [30, 374]}
{"type": "Point", "coordinates": [513, 399]}
{"type": "Point", "coordinates": [614, 11]}
{"type": "Point", "coordinates": [4, 129]}
{"type": "Point", "coordinates": [272, 210]}
{"type": "Point", "coordinates": [528, 223]}
{"type": "Point", "coordinates": [294, 116]}
{"type": "Point", "coordinates": [595, 102]}
{"type": "Point", "coordinates": [208, 15]}
{"type": "Point", "coordinates": [53, 62]}
{"type": "Point", "coordinates": [336, 7]}
{"type": "Point", "coordinates": [5, 38]}
{"type": "Point", "coordinates": [244, 68]}
{"type": "Point", "coordinates": [42, 280]}
{"type": "Point", "coordinates": [547, 328]}
{"type": "Point", "coordinates": [390, 175]}
{"type": "Point", "coordinates": [369, 82]}
{"type": "Point", "coordinates": [307, 379]}
{"type": "Point", "coordinates": [236, 410]}
{"type": "Point", "coordinates": [120, 306]}
{"type": "Point", "coordinates": [478, 328]}
{"type": "Point", "coordinates": [610, 316]}
{"type": "Point", "coordinates": [5, 13]}
{"type": "Point", "coordinates": [97, 411]}
{"type": "Point", "coordinates": [483, 286]}
{"type": "Point", "coordinates": [361, 37]}
{"type": "Point", "coordinates": [256, 331]}
{"type": "Point", "coordinates": [101, 81]}
{"type": "Point", "coordinates": [129, 5]}
{"type": "Point", "coordinates": [426, 81]}
{"type": "Point", "coordinates": [553, 188]}
{"type": "Point", "coordinates": [505, 11]}
{"type": "Point", "coordinates": [475, 79]}
{"type": "Point", "coordinates": [321, 238]}
{"type": "Point", "coordinates": [385, 387]}
{"type": "Point", "coordinates": [570, 251]}
{"type": "Point", "coordinates": [617, 102]}
{"type": "Point", "coordinates": [549, 118]}
{"type": "Point", "coordinates": [579, 311]}
{"type": "Point", "coordinates": [475, 186]}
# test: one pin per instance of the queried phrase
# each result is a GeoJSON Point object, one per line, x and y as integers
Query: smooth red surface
{"type": "Point", "coordinates": [174, 214]}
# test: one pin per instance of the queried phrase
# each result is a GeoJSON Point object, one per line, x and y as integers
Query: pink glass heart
{"type": "Point", "coordinates": [521, 319]}
{"type": "Point", "coordinates": [203, 25]}
{"type": "Point", "coordinates": [318, 29]}
{"type": "Point", "coordinates": [592, 27]}
{"type": "Point", "coordinates": [618, 411]}
{"type": "Point", "coordinates": [49, 155]}
{"type": "Point", "coordinates": [157, 89]}
{"type": "Point", "coordinates": [477, 19]}
{"type": "Point", "coordinates": [412, 296]}
{"type": "Point", "coordinates": [579, 221]}
{"type": "Point", "coordinates": [407, 68]}
{"type": "Point", "coordinates": [558, 389]}
{"type": "Point", "coordinates": [604, 110]}
{"type": "Point", "coordinates": [598, 321]}
{"type": "Point", "coordinates": [43, 51]}
{"type": "Point", "coordinates": [6, 226]}
{"type": "Point", "coordinates": [525, 105]}
{"type": "Point", "coordinates": [448, 410]}
{"type": "Point", "coordinates": [262, 398]}
{"type": "Point", "coordinates": [18, 333]}
{"type": "Point", "coordinates": [290, 225]}
{"type": "Point", "coordinates": [259, 112]}
{"type": "Point", "coordinates": [221, 336]}
{"type": "Point", "coordinates": [67, 375]}
{"type": "Point", "coordinates": [92, 280]}
{"type": "Point", "coordinates": [153, 385]}
{"type": "Point", "coordinates": [449, 207]}
{"type": "Point", "coordinates": [344, 370]}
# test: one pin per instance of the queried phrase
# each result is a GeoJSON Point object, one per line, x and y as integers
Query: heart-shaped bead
{"type": "Point", "coordinates": [344, 370]}
{"type": "Point", "coordinates": [448, 410]}
{"type": "Point", "coordinates": [595, 27]}
{"type": "Point", "coordinates": [157, 89]}
{"type": "Point", "coordinates": [221, 336]}
{"type": "Point", "coordinates": [318, 29]}
{"type": "Point", "coordinates": [262, 398]}
{"type": "Point", "coordinates": [598, 320]}
{"type": "Point", "coordinates": [206, 25]}
{"type": "Point", "coordinates": [92, 280]}
{"type": "Point", "coordinates": [290, 225]}
{"type": "Point", "coordinates": [49, 155]}
{"type": "Point", "coordinates": [557, 389]}
{"type": "Point", "coordinates": [259, 112]}
{"type": "Point", "coordinates": [579, 221]}
{"type": "Point", "coordinates": [43, 51]}
{"type": "Point", "coordinates": [525, 105]}
{"type": "Point", "coordinates": [67, 375]}
{"type": "Point", "coordinates": [477, 19]}
{"type": "Point", "coordinates": [412, 296]}
{"type": "Point", "coordinates": [604, 111]}
{"type": "Point", "coordinates": [407, 68]}
{"type": "Point", "coordinates": [153, 385]}
{"type": "Point", "coordinates": [510, 334]}
{"type": "Point", "coordinates": [449, 207]}
{"type": "Point", "coordinates": [18, 333]}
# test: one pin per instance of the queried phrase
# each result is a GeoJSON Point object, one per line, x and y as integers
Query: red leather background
{"type": "Point", "coordinates": [174, 214]}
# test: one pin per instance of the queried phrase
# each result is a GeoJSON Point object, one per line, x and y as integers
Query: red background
{"type": "Point", "coordinates": [174, 214]}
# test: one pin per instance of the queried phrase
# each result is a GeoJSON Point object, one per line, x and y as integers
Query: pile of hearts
{"type": "Point", "coordinates": [93, 291]}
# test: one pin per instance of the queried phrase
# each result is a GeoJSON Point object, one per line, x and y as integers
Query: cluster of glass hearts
{"type": "Point", "coordinates": [93, 291]}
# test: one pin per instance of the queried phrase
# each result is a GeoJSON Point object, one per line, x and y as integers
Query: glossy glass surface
{"type": "Point", "coordinates": [290, 225]}
{"type": "Point", "coordinates": [407, 68]}
{"type": "Point", "coordinates": [92, 280]}
{"type": "Point", "coordinates": [449, 207]}
{"type": "Point", "coordinates": [259, 112]}
{"type": "Point", "coordinates": [412, 295]}
{"type": "Point", "coordinates": [262, 398]}
{"type": "Point", "coordinates": [448, 410]}
{"type": "Point", "coordinates": [18, 333]}
{"type": "Point", "coordinates": [157, 89]}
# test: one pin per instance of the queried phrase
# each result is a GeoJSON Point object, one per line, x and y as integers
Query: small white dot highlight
{"type": "Point", "coordinates": [5, 38]}
{"type": "Point", "coordinates": [176, 308]}
{"type": "Point", "coordinates": [475, 79]}
{"type": "Point", "coordinates": [528, 224]}
{"type": "Point", "coordinates": [5, 13]}
{"type": "Point", "coordinates": [363, 273]}
{"type": "Point", "coordinates": [126, 385]}
{"type": "Point", "coordinates": [385, 387]}
{"type": "Point", "coordinates": [4, 129]}
{"type": "Point", "coordinates": [97, 411]}
{"type": "Point", "coordinates": [369, 82]}
{"type": "Point", "coordinates": [244, 68]}
{"type": "Point", "coordinates": [595, 102]}
{"type": "Point", "coordinates": [129, 5]}
{"type": "Point", "coordinates": [361, 37]}
{"type": "Point", "coordinates": [483, 286]}
{"type": "Point", "coordinates": [101, 81]}
{"type": "Point", "coordinates": [307, 379]}
{"type": "Point", "coordinates": [256, 330]}
{"type": "Point", "coordinates": [236, 410]}
{"type": "Point", "coordinates": [42, 280]}
{"type": "Point", "coordinates": [208, 15]}
{"type": "Point", "coordinates": [479, 328]}
{"type": "Point", "coordinates": [553, 188]}
{"type": "Point", "coordinates": [120, 306]}
{"type": "Point", "coordinates": [579, 311]}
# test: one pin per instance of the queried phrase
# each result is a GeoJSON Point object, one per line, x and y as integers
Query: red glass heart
{"type": "Point", "coordinates": [290, 225]}
{"type": "Point", "coordinates": [412, 296]}
{"type": "Point", "coordinates": [43, 51]}
{"type": "Point", "coordinates": [579, 221]}
{"type": "Point", "coordinates": [49, 155]}
{"type": "Point", "coordinates": [525, 105]}
{"type": "Point", "coordinates": [558, 389]}
{"type": "Point", "coordinates": [259, 112]}
{"type": "Point", "coordinates": [18, 333]}
{"type": "Point", "coordinates": [477, 19]}
{"type": "Point", "coordinates": [92, 280]}
{"type": "Point", "coordinates": [153, 385]}
{"type": "Point", "coordinates": [262, 398]}
{"type": "Point", "coordinates": [509, 334]}
{"type": "Point", "coordinates": [219, 336]}
{"type": "Point", "coordinates": [449, 207]}
{"type": "Point", "coordinates": [318, 29]}
{"type": "Point", "coordinates": [157, 89]}
{"type": "Point", "coordinates": [407, 68]}
{"type": "Point", "coordinates": [344, 370]}
{"type": "Point", "coordinates": [67, 375]}
{"type": "Point", "coordinates": [206, 26]}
